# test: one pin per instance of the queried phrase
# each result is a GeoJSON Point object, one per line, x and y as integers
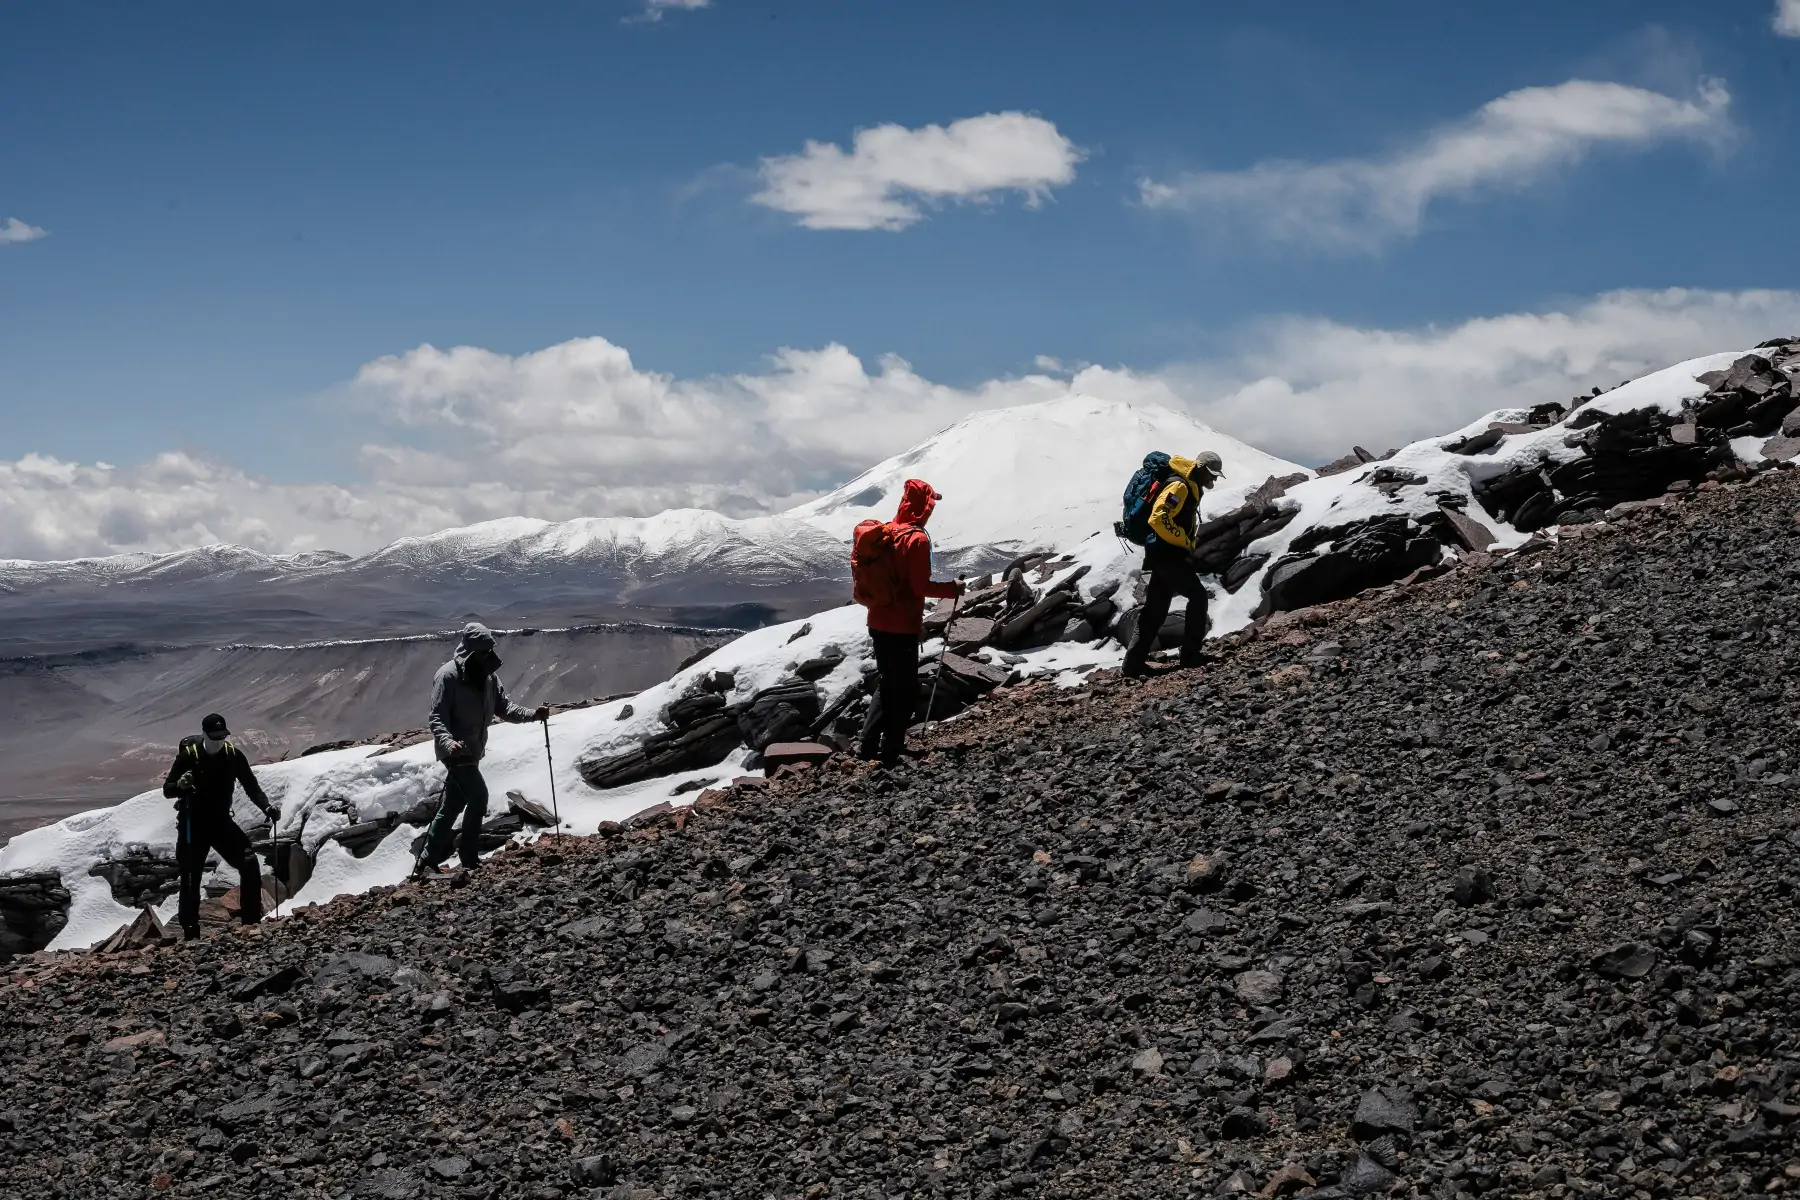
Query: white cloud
{"type": "Point", "coordinates": [1787, 18]}
{"type": "Point", "coordinates": [655, 9]}
{"type": "Point", "coordinates": [890, 171]}
{"type": "Point", "coordinates": [14, 231]}
{"type": "Point", "coordinates": [578, 429]}
{"type": "Point", "coordinates": [1308, 389]}
{"type": "Point", "coordinates": [1506, 144]}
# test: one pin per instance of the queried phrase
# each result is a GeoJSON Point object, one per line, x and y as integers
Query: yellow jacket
{"type": "Point", "coordinates": [1171, 518]}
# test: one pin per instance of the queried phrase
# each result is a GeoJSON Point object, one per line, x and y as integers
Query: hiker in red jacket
{"type": "Point", "coordinates": [896, 625]}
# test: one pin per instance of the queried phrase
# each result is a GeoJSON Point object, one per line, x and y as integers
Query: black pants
{"type": "Point", "coordinates": [897, 667]}
{"type": "Point", "coordinates": [1169, 579]}
{"type": "Point", "coordinates": [197, 833]}
{"type": "Point", "coordinates": [465, 792]}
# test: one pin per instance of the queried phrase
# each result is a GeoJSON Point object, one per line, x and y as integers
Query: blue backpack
{"type": "Point", "coordinates": [1140, 498]}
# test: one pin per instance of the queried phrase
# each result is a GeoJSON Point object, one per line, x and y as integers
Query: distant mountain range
{"type": "Point", "coordinates": [1014, 479]}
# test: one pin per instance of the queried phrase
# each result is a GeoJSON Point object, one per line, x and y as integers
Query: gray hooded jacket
{"type": "Point", "coordinates": [461, 708]}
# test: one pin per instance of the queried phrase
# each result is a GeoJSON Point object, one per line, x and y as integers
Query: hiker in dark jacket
{"type": "Point", "coordinates": [895, 628]}
{"type": "Point", "coordinates": [1169, 563]}
{"type": "Point", "coordinates": [466, 696]}
{"type": "Point", "coordinates": [207, 768]}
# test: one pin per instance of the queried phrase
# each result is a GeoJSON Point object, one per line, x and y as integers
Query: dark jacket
{"type": "Point", "coordinates": [211, 777]}
{"type": "Point", "coordinates": [462, 708]}
{"type": "Point", "coordinates": [912, 547]}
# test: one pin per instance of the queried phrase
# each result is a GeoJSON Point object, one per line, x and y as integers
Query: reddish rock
{"type": "Point", "coordinates": [783, 754]}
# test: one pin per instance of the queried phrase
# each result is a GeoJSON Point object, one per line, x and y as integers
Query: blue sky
{"type": "Point", "coordinates": [242, 207]}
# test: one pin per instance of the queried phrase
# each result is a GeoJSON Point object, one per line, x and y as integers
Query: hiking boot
{"type": "Point", "coordinates": [424, 870]}
{"type": "Point", "coordinates": [1134, 670]}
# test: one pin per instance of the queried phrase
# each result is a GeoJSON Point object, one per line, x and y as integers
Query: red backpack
{"type": "Point", "coordinates": [875, 565]}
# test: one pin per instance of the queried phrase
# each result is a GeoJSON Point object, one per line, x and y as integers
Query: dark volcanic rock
{"type": "Point", "coordinates": [1419, 892]}
{"type": "Point", "coordinates": [1368, 555]}
{"type": "Point", "coordinates": [1381, 1112]}
{"type": "Point", "coordinates": [33, 910]}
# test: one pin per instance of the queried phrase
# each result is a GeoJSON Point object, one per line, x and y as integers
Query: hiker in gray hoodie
{"type": "Point", "coordinates": [466, 696]}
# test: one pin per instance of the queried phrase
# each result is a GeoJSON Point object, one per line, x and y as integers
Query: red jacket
{"type": "Point", "coordinates": [913, 545]}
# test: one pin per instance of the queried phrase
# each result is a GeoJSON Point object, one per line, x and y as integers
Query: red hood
{"type": "Point", "coordinates": [917, 499]}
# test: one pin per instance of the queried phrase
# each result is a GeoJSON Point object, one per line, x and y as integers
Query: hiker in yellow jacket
{"type": "Point", "coordinates": [1169, 563]}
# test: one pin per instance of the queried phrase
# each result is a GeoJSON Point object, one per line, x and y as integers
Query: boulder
{"type": "Point", "coordinates": [785, 712]}
{"type": "Point", "coordinates": [33, 910]}
{"type": "Point", "coordinates": [145, 931]}
{"type": "Point", "coordinates": [1079, 630]}
{"type": "Point", "coordinates": [782, 754]}
{"type": "Point", "coordinates": [1469, 533]}
{"type": "Point", "coordinates": [703, 744]}
{"type": "Point", "coordinates": [965, 680]}
{"type": "Point", "coordinates": [529, 811]}
{"type": "Point", "coordinates": [1477, 443]}
{"type": "Point", "coordinates": [689, 709]}
{"type": "Point", "coordinates": [1018, 627]}
{"type": "Point", "coordinates": [1381, 1112]}
{"type": "Point", "coordinates": [1099, 611]}
{"type": "Point", "coordinates": [139, 877]}
{"type": "Point", "coordinates": [971, 632]}
{"type": "Point", "coordinates": [1376, 552]}
{"type": "Point", "coordinates": [815, 669]}
{"type": "Point", "coordinates": [718, 682]}
{"type": "Point", "coordinates": [1235, 576]}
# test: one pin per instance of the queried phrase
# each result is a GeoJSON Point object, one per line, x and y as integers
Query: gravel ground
{"type": "Point", "coordinates": [1483, 885]}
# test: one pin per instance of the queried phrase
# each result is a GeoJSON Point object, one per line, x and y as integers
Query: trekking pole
{"type": "Point", "coordinates": [298, 847]}
{"type": "Point", "coordinates": [931, 707]}
{"type": "Point", "coordinates": [550, 766]}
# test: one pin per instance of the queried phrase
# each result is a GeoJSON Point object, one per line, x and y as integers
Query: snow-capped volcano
{"type": "Point", "coordinates": [1038, 475]}
{"type": "Point", "coordinates": [1015, 479]}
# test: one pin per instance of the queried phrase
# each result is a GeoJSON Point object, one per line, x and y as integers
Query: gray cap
{"type": "Point", "coordinates": [1211, 463]}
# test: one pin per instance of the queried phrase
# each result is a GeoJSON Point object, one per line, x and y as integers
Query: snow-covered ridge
{"type": "Point", "coordinates": [1039, 476]}
{"type": "Point", "coordinates": [1050, 489]}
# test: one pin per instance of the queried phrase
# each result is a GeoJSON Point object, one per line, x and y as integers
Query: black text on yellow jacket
{"type": "Point", "coordinates": [213, 776]}
{"type": "Point", "coordinates": [1176, 513]}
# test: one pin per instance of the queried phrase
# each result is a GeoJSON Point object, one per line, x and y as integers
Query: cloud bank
{"type": "Point", "coordinates": [890, 171]}
{"type": "Point", "coordinates": [14, 231]}
{"type": "Point", "coordinates": [579, 429]}
{"type": "Point", "coordinates": [1507, 144]}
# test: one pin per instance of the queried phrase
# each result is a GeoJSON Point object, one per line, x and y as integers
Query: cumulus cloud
{"type": "Point", "coordinates": [890, 171]}
{"type": "Point", "coordinates": [14, 231]}
{"type": "Point", "coordinates": [582, 413]}
{"type": "Point", "coordinates": [579, 429]}
{"type": "Point", "coordinates": [1308, 389]}
{"type": "Point", "coordinates": [654, 10]}
{"type": "Point", "coordinates": [1505, 145]}
{"type": "Point", "coordinates": [1787, 18]}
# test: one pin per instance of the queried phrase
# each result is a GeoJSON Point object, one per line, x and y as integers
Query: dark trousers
{"type": "Point", "coordinates": [896, 696]}
{"type": "Point", "coordinates": [465, 792]}
{"type": "Point", "coordinates": [1169, 579]}
{"type": "Point", "coordinates": [197, 833]}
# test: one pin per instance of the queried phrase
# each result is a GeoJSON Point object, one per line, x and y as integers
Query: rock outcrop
{"type": "Point", "coordinates": [33, 910]}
